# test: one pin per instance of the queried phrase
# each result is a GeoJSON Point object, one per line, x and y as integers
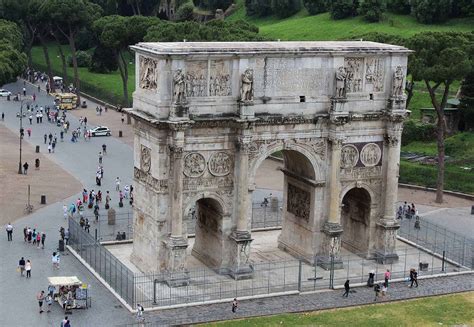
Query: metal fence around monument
{"type": "Point", "coordinates": [439, 240]}
{"type": "Point", "coordinates": [268, 278]}
{"type": "Point", "coordinates": [114, 272]}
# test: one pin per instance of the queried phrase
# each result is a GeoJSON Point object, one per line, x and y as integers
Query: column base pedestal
{"type": "Point", "coordinates": [179, 112]}
{"type": "Point", "coordinates": [240, 267]}
{"type": "Point", "coordinates": [177, 274]}
{"type": "Point", "coordinates": [387, 238]}
{"type": "Point", "coordinates": [329, 257]}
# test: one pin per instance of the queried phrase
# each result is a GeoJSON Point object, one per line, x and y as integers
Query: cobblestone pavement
{"type": "Point", "coordinates": [308, 302]}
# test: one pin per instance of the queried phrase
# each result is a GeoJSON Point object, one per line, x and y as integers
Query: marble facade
{"type": "Point", "coordinates": [208, 114]}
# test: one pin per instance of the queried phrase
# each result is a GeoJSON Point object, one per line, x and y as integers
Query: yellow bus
{"type": "Point", "coordinates": [66, 101]}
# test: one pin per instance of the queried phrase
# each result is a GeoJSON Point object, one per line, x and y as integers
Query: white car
{"type": "Point", "coordinates": [4, 93]}
{"type": "Point", "coordinates": [100, 131]}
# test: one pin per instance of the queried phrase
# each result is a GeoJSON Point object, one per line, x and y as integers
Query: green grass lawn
{"type": "Point", "coordinates": [321, 27]}
{"type": "Point", "coordinates": [108, 87]}
{"type": "Point", "coordinates": [434, 311]}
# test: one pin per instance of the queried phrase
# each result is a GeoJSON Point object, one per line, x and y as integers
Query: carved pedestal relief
{"type": "Point", "coordinates": [148, 73]}
{"type": "Point", "coordinates": [299, 202]}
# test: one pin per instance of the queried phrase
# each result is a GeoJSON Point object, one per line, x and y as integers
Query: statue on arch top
{"type": "Point", "coordinates": [397, 83]}
{"type": "Point", "coordinates": [246, 89]}
{"type": "Point", "coordinates": [179, 87]}
{"type": "Point", "coordinates": [341, 85]}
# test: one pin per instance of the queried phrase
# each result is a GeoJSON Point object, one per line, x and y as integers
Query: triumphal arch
{"type": "Point", "coordinates": [207, 115]}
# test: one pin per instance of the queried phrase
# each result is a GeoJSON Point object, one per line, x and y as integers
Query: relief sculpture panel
{"type": "Point", "coordinates": [354, 73]}
{"type": "Point", "coordinates": [374, 74]}
{"type": "Point", "coordinates": [196, 79]}
{"type": "Point", "coordinates": [148, 73]}
{"type": "Point", "coordinates": [220, 164]}
{"type": "Point", "coordinates": [220, 79]}
{"type": "Point", "coordinates": [299, 202]}
{"type": "Point", "coordinates": [145, 158]}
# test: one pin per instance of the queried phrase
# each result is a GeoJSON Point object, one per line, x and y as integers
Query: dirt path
{"type": "Point", "coordinates": [50, 180]}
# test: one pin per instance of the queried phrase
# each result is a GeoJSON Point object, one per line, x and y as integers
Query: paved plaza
{"type": "Point", "coordinates": [72, 167]}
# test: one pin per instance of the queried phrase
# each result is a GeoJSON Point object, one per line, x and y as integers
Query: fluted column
{"type": "Point", "coordinates": [329, 254]}
{"type": "Point", "coordinates": [176, 212]}
{"type": "Point", "coordinates": [392, 141]}
{"type": "Point", "coordinates": [242, 186]}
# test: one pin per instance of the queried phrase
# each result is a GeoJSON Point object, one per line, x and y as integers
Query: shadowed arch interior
{"type": "Point", "coordinates": [208, 243]}
{"type": "Point", "coordinates": [355, 219]}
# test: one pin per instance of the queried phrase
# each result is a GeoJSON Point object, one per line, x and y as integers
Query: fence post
{"type": "Point", "coordinates": [331, 273]}
{"type": "Point", "coordinates": [154, 291]}
{"type": "Point", "coordinates": [300, 267]}
{"type": "Point", "coordinates": [442, 263]}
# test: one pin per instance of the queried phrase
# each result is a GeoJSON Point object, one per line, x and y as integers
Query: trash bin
{"type": "Point", "coordinates": [111, 216]}
{"type": "Point", "coordinates": [120, 133]}
{"type": "Point", "coordinates": [37, 149]}
{"type": "Point", "coordinates": [37, 163]}
{"type": "Point", "coordinates": [423, 266]}
{"type": "Point", "coordinates": [370, 281]}
{"type": "Point", "coordinates": [43, 199]}
{"type": "Point", "coordinates": [274, 203]}
{"type": "Point", "coordinates": [472, 210]}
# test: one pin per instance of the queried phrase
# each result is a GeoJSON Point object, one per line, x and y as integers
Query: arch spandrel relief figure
{"type": "Point", "coordinates": [246, 89]}
{"type": "Point", "coordinates": [397, 86]}
{"type": "Point", "coordinates": [179, 87]}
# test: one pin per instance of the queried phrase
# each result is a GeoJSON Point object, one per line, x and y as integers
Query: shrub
{"type": "Point", "coordinates": [466, 102]}
{"type": "Point", "coordinates": [372, 10]}
{"type": "Point", "coordinates": [260, 8]}
{"type": "Point", "coordinates": [413, 131]}
{"type": "Point", "coordinates": [399, 6]}
{"type": "Point", "coordinates": [431, 11]}
{"type": "Point", "coordinates": [315, 7]}
{"type": "Point", "coordinates": [343, 8]}
{"type": "Point", "coordinates": [185, 12]}
{"type": "Point", "coordinates": [285, 8]}
{"type": "Point", "coordinates": [103, 61]}
{"type": "Point", "coordinates": [83, 59]}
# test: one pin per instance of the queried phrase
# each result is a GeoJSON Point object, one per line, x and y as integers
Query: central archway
{"type": "Point", "coordinates": [300, 219]}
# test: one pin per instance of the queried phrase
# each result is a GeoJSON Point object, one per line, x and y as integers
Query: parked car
{"type": "Point", "coordinates": [4, 93]}
{"type": "Point", "coordinates": [100, 131]}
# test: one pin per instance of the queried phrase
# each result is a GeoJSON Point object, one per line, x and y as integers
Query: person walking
{"type": "Point", "coordinates": [25, 234]}
{"type": "Point", "coordinates": [140, 311]}
{"type": "Point", "coordinates": [54, 260]}
{"type": "Point", "coordinates": [235, 305]}
{"type": "Point", "coordinates": [38, 239]}
{"type": "Point", "coordinates": [384, 290]}
{"type": "Point", "coordinates": [107, 200]}
{"type": "Point", "coordinates": [413, 278]}
{"type": "Point", "coordinates": [387, 276]}
{"type": "Point", "coordinates": [49, 302]}
{"type": "Point", "coordinates": [28, 268]}
{"type": "Point", "coordinates": [377, 292]}
{"type": "Point", "coordinates": [9, 229]}
{"type": "Point", "coordinates": [123, 118]}
{"type": "Point", "coordinates": [117, 184]}
{"type": "Point", "coordinates": [104, 149]}
{"type": "Point", "coordinates": [40, 298]}
{"type": "Point", "coordinates": [25, 168]}
{"type": "Point", "coordinates": [100, 158]}
{"type": "Point", "coordinates": [50, 147]}
{"type": "Point", "coordinates": [45, 137]}
{"type": "Point", "coordinates": [66, 236]}
{"type": "Point", "coordinates": [346, 288]}
{"type": "Point", "coordinates": [21, 266]}
{"type": "Point", "coordinates": [30, 118]}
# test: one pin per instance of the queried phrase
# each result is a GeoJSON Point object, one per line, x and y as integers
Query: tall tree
{"type": "Point", "coordinates": [117, 33]}
{"type": "Point", "coordinates": [466, 101]}
{"type": "Point", "coordinates": [12, 60]}
{"type": "Point", "coordinates": [439, 60]}
{"type": "Point", "coordinates": [69, 16]}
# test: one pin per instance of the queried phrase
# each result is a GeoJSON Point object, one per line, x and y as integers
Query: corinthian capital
{"type": "Point", "coordinates": [336, 142]}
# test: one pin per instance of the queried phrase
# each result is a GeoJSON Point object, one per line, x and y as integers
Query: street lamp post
{"type": "Point", "coordinates": [22, 133]}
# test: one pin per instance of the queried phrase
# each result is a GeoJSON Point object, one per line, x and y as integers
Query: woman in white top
{"type": "Point", "coordinates": [28, 268]}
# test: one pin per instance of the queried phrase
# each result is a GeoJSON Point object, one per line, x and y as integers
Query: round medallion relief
{"type": "Point", "coordinates": [220, 164]}
{"type": "Point", "coordinates": [145, 159]}
{"type": "Point", "coordinates": [349, 156]}
{"type": "Point", "coordinates": [194, 164]}
{"type": "Point", "coordinates": [370, 155]}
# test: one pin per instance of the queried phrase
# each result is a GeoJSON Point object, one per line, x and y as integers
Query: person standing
{"type": "Point", "coordinates": [40, 298]}
{"type": "Point", "coordinates": [50, 147]}
{"type": "Point", "coordinates": [235, 305]}
{"type": "Point", "coordinates": [24, 91]}
{"type": "Point", "coordinates": [100, 158]}
{"type": "Point", "coordinates": [117, 184]}
{"type": "Point", "coordinates": [140, 311]}
{"type": "Point", "coordinates": [43, 238]}
{"type": "Point", "coordinates": [49, 302]}
{"type": "Point", "coordinates": [346, 288]}
{"type": "Point", "coordinates": [413, 278]}
{"type": "Point", "coordinates": [66, 236]}
{"type": "Point", "coordinates": [25, 234]}
{"type": "Point", "coordinates": [384, 290]}
{"type": "Point", "coordinates": [30, 117]}
{"type": "Point", "coordinates": [9, 229]}
{"type": "Point", "coordinates": [38, 239]}
{"type": "Point", "coordinates": [104, 149]}
{"type": "Point", "coordinates": [21, 265]}
{"type": "Point", "coordinates": [387, 276]}
{"type": "Point", "coordinates": [28, 268]}
{"type": "Point", "coordinates": [45, 137]}
{"type": "Point", "coordinates": [107, 200]}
